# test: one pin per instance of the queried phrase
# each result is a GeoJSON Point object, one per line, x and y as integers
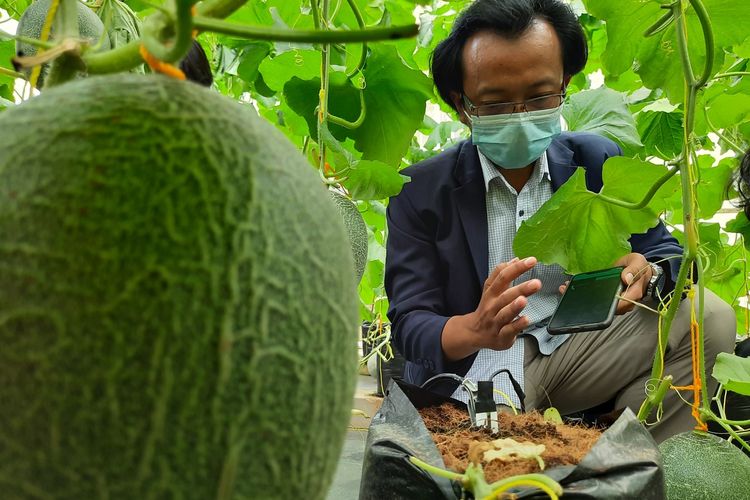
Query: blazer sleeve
{"type": "Point", "coordinates": [415, 289]}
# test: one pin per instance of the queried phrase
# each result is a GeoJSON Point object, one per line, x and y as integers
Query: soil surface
{"type": "Point", "coordinates": [564, 444]}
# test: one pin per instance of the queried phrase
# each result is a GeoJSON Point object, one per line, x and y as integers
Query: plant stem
{"type": "Point", "coordinates": [303, 36]}
{"type": "Point", "coordinates": [183, 29]}
{"type": "Point", "coordinates": [688, 179]}
{"type": "Point", "coordinates": [360, 119]}
{"type": "Point", "coordinates": [325, 71]}
{"type": "Point", "coordinates": [701, 335]}
{"type": "Point", "coordinates": [209, 18]}
{"type": "Point", "coordinates": [361, 24]}
{"type": "Point", "coordinates": [678, 10]}
{"type": "Point", "coordinates": [11, 73]}
{"type": "Point", "coordinates": [708, 38]}
{"type": "Point", "coordinates": [720, 135]}
{"type": "Point", "coordinates": [25, 39]}
{"type": "Point", "coordinates": [453, 476]}
{"type": "Point", "coordinates": [545, 483]}
{"type": "Point", "coordinates": [220, 8]}
{"type": "Point", "coordinates": [117, 60]}
{"type": "Point", "coordinates": [730, 74]}
{"type": "Point", "coordinates": [646, 198]}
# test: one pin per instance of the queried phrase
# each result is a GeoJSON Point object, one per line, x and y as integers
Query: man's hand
{"type": "Point", "coordinates": [496, 322]}
{"type": "Point", "coordinates": [635, 277]}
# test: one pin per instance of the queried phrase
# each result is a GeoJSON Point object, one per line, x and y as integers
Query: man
{"type": "Point", "coordinates": [460, 302]}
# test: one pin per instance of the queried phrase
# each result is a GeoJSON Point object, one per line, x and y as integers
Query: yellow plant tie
{"type": "Point", "coordinates": [695, 351]}
{"type": "Point", "coordinates": [160, 66]}
{"type": "Point", "coordinates": [46, 29]}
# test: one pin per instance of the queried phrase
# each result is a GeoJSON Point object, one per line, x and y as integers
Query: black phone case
{"type": "Point", "coordinates": [588, 327]}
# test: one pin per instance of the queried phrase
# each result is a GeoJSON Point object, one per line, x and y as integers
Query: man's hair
{"type": "Point", "coordinates": [511, 19]}
{"type": "Point", "coordinates": [196, 67]}
{"type": "Point", "coordinates": [742, 178]}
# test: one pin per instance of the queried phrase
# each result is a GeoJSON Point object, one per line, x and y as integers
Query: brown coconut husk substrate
{"type": "Point", "coordinates": [565, 444]}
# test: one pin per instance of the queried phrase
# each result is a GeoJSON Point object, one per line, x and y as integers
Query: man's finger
{"type": "Point", "coordinates": [525, 289]}
{"type": "Point", "coordinates": [495, 272]}
{"type": "Point", "coordinates": [511, 272]}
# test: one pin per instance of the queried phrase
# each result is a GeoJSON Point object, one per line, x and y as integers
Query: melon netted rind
{"type": "Point", "coordinates": [704, 467]}
{"type": "Point", "coordinates": [356, 229]}
{"type": "Point", "coordinates": [90, 27]}
{"type": "Point", "coordinates": [178, 311]}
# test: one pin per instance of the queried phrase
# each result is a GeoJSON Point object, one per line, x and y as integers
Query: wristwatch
{"type": "Point", "coordinates": [655, 283]}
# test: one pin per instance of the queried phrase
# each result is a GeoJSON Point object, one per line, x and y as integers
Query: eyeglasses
{"type": "Point", "coordinates": [540, 103]}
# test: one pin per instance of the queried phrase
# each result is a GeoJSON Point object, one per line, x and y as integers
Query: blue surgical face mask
{"type": "Point", "coordinates": [515, 140]}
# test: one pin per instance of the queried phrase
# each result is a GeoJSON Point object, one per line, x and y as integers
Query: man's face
{"type": "Point", "coordinates": [498, 69]}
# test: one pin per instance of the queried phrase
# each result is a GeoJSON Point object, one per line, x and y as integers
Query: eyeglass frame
{"type": "Point", "coordinates": [473, 109]}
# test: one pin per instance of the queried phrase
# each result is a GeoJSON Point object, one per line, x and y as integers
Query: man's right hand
{"type": "Point", "coordinates": [497, 321]}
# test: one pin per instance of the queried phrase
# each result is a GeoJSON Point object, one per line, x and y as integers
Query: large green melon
{"type": "Point", "coordinates": [704, 467]}
{"type": "Point", "coordinates": [355, 228]}
{"type": "Point", "coordinates": [178, 311]}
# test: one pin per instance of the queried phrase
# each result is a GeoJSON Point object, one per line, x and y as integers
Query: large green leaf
{"type": "Point", "coordinates": [733, 372]}
{"type": "Point", "coordinates": [581, 232]}
{"type": "Point", "coordinates": [657, 58]}
{"type": "Point", "coordinates": [661, 133]}
{"type": "Point", "coordinates": [396, 97]}
{"type": "Point", "coordinates": [605, 112]}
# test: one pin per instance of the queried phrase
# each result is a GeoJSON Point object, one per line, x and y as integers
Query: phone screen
{"type": "Point", "coordinates": [588, 303]}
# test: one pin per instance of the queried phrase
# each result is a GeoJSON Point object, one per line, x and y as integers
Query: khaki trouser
{"type": "Point", "coordinates": [593, 367]}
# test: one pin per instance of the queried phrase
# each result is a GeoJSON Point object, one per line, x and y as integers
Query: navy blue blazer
{"type": "Point", "coordinates": [437, 249]}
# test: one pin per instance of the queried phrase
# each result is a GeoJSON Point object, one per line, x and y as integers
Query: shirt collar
{"type": "Point", "coordinates": [490, 171]}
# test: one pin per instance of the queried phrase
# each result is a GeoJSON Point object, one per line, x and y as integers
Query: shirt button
{"type": "Point", "coordinates": [520, 213]}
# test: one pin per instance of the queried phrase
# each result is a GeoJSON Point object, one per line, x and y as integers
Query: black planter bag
{"type": "Point", "coordinates": [624, 463]}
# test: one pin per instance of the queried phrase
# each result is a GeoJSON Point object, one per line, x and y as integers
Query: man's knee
{"type": "Point", "coordinates": [719, 327]}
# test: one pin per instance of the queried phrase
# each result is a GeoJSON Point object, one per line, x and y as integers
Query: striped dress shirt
{"type": "Point", "coordinates": [506, 210]}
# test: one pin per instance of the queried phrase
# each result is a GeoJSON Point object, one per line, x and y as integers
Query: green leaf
{"type": "Point", "coordinates": [373, 180]}
{"type": "Point", "coordinates": [657, 58]}
{"type": "Point", "coordinates": [581, 232]}
{"type": "Point", "coordinates": [711, 188]}
{"type": "Point", "coordinates": [302, 64]}
{"type": "Point", "coordinates": [605, 112]}
{"type": "Point", "coordinates": [740, 225]}
{"type": "Point", "coordinates": [661, 133]}
{"type": "Point", "coordinates": [343, 101]}
{"type": "Point", "coordinates": [251, 57]}
{"type": "Point", "coordinates": [396, 97]}
{"type": "Point", "coordinates": [733, 372]}
{"type": "Point", "coordinates": [365, 179]}
{"type": "Point", "coordinates": [7, 51]}
{"type": "Point", "coordinates": [728, 110]}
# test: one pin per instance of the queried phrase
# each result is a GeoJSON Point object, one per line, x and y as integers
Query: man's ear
{"type": "Point", "coordinates": [566, 80]}
{"type": "Point", "coordinates": [458, 103]}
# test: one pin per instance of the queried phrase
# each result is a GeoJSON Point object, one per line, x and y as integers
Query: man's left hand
{"type": "Point", "coordinates": [635, 278]}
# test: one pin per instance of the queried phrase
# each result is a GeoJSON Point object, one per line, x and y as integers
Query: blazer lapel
{"type": "Point", "coordinates": [469, 198]}
{"type": "Point", "coordinates": [560, 163]}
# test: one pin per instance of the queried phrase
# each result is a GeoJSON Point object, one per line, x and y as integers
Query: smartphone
{"type": "Point", "coordinates": [589, 302]}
